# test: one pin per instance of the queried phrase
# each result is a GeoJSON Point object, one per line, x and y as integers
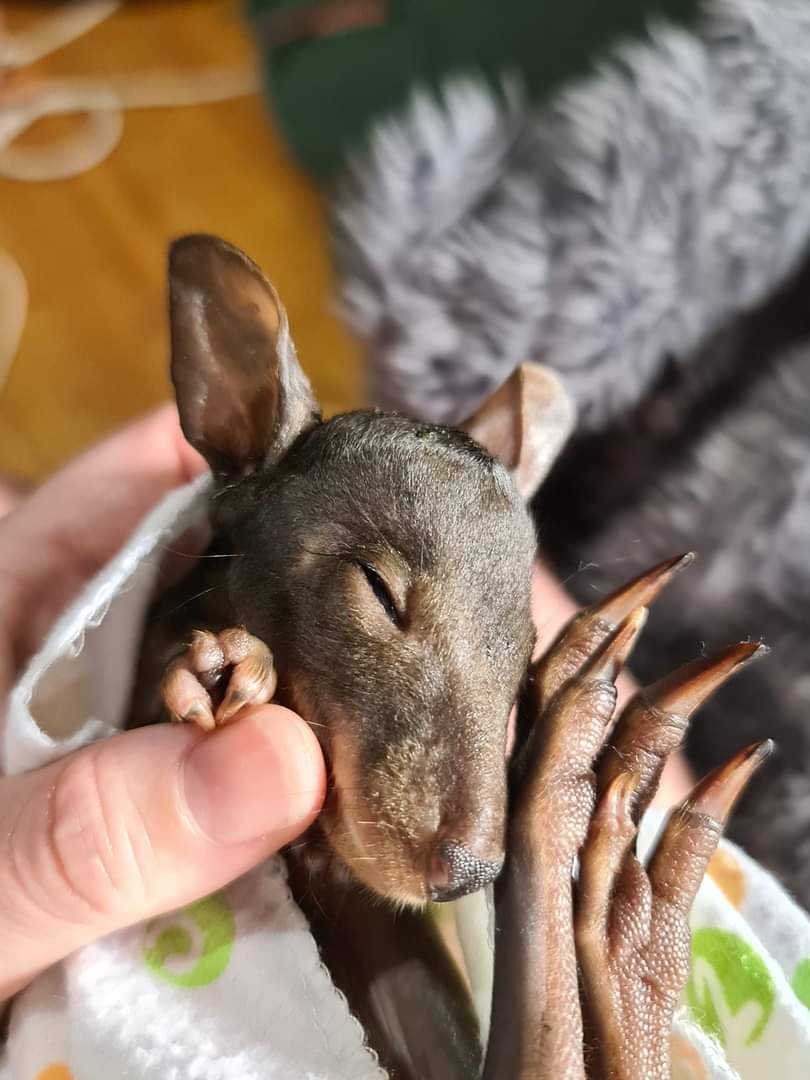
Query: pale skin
{"type": "Point", "coordinates": [154, 818]}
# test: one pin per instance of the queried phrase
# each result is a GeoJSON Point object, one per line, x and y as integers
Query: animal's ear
{"type": "Point", "coordinates": [525, 424]}
{"type": "Point", "coordinates": [241, 394]}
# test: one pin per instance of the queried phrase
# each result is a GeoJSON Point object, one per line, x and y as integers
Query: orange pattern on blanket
{"type": "Point", "coordinates": [687, 1063]}
{"type": "Point", "coordinates": [726, 872]}
{"type": "Point", "coordinates": [55, 1072]}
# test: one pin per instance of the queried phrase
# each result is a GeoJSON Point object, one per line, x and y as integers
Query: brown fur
{"type": "Point", "coordinates": [385, 562]}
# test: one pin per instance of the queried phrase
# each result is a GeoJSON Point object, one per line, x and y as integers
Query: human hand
{"type": "Point", "coordinates": [154, 818]}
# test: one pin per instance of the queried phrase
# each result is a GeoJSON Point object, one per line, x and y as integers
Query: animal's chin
{"type": "Point", "coordinates": [386, 870]}
{"type": "Point", "coordinates": [364, 844]}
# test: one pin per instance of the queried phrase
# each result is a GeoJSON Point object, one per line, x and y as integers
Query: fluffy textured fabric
{"type": "Point", "coordinates": [623, 236]}
{"type": "Point", "coordinates": [333, 68]}
{"type": "Point", "coordinates": [619, 224]}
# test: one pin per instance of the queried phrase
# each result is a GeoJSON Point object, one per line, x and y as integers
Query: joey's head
{"type": "Point", "coordinates": [386, 563]}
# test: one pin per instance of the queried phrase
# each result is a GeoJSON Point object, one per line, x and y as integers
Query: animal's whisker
{"type": "Point", "coordinates": [311, 892]}
{"type": "Point", "coordinates": [189, 600]}
{"type": "Point", "coordinates": [202, 555]}
{"type": "Point", "coordinates": [219, 492]}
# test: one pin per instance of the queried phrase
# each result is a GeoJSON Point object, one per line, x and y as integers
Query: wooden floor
{"type": "Point", "coordinates": [94, 351]}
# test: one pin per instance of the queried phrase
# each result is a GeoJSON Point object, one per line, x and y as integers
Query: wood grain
{"type": "Point", "coordinates": [94, 351]}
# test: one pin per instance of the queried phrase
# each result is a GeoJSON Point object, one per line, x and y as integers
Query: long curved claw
{"type": "Point", "coordinates": [642, 590]}
{"type": "Point", "coordinates": [590, 627]}
{"type": "Point", "coordinates": [653, 724]}
{"type": "Point", "coordinates": [677, 865]}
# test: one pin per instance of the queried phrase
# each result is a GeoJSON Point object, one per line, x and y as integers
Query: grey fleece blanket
{"type": "Point", "coordinates": [632, 235]}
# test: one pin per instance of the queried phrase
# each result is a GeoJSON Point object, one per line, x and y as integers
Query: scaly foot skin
{"type": "Point", "coordinates": [217, 676]}
{"type": "Point", "coordinates": [632, 922]}
{"type": "Point", "coordinates": [600, 961]}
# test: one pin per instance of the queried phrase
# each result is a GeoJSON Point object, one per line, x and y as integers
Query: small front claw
{"type": "Point", "coordinates": [185, 698]}
{"type": "Point", "coordinates": [253, 678]}
{"type": "Point", "coordinates": [217, 676]}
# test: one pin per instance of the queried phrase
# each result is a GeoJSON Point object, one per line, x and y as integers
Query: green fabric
{"type": "Point", "coordinates": [327, 93]}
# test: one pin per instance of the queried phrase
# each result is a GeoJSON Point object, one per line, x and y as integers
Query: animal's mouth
{"type": "Point", "coordinates": [372, 849]}
{"type": "Point", "coordinates": [401, 868]}
{"type": "Point", "coordinates": [398, 846]}
{"type": "Point", "coordinates": [384, 823]}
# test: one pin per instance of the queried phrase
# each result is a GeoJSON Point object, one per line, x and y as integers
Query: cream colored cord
{"type": "Point", "coordinates": [13, 309]}
{"type": "Point", "coordinates": [52, 31]}
{"type": "Point", "coordinates": [101, 100]}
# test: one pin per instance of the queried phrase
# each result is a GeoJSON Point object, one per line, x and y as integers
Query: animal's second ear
{"type": "Point", "coordinates": [241, 394]}
{"type": "Point", "coordinates": [526, 423]}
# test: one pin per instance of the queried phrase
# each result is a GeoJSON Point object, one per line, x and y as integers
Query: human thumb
{"type": "Point", "coordinates": [143, 823]}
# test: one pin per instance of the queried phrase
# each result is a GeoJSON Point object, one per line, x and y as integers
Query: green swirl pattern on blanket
{"type": "Point", "coordinates": [209, 924]}
{"type": "Point", "coordinates": [739, 974]}
{"type": "Point", "coordinates": [801, 982]}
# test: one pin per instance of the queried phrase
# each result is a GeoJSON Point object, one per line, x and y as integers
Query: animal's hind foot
{"type": "Point", "coordinates": [217, 676]}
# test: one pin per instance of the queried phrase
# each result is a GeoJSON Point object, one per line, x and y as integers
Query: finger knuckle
{"type": "Point", "coordinates": [93, 837]}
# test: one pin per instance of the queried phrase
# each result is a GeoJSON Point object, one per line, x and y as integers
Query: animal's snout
{"type": "Point", "coordinates": [455, 870]}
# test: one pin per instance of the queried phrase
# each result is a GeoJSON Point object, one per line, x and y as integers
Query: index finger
{"type": "Point", "coordinates": [58, 537]}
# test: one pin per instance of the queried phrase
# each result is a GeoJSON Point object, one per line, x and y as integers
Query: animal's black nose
{"type": "Point", "coordinates": [456, 871]}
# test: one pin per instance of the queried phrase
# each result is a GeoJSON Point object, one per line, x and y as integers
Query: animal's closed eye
{"type": "Point", "coordinates": [382, 592]}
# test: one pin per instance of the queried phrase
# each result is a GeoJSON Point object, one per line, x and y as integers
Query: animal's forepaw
{"type": "Point", "coordinates": [217, 676]}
